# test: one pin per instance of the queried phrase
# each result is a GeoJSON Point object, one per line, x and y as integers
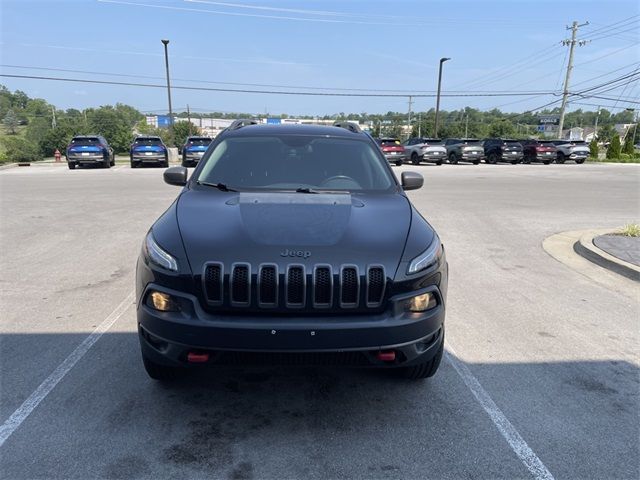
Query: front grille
{"type": "Point", "coordinates": [268, 286]}
{"type": "Point", "coordinates": [294, 287]}
{"type": "Point", "coordinates": [240, 284]}
{"type": "Point", "coordinates": [350, 287]}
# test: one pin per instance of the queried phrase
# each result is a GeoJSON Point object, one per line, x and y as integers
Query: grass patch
{"type": "Point", "coordinates": [630, 230]}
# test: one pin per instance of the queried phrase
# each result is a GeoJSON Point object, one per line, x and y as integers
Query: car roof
{"type": "Point", "coordinates": [293, 129]}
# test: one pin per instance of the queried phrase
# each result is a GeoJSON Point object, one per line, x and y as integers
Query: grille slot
{"type": "Point", "coordinates": [296, 286]}
{"type": "Point", "coordinates": [376, 281]}
{"type": "Point", "coordinates": [349, 287]}
{"type": "Point", "coordinates": [322, 286]}
{"type": "Point", "coordinates": [240, 284]}
{"type": "Point", "coordinates": [212, 280]}
{"type": "Point", "coordinates": [268, 286]}
{"type": "Point", "coordinates": [293, 359]}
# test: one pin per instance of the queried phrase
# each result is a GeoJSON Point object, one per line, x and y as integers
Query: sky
{"type": "Point", "coordinates": [346, 46]}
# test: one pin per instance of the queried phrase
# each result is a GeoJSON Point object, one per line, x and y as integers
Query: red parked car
{"type": "Point", "coordinates": [393, 150]}
{"type": "Point", "coordinates": [539, 151]}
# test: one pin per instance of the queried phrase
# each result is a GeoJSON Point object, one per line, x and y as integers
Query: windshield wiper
{"type": "Point", "coordinates": [220, 186]}
{"type": "Point", "coordinates": [306, 190]}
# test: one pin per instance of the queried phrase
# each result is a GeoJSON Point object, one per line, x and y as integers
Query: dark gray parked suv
{"type": "Point", "coordinates": [464, 150]}
{"type": "Point", "coordinates": [280, 258]}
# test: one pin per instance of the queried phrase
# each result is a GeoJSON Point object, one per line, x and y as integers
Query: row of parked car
{"type": "Point", "coordinates": [489, 150]}
{"type": "Point", "coordinates": [85, 150]}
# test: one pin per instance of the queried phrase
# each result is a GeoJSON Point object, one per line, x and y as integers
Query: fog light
{"type": "Point", "coordinates": [421, 303]}
{"type": "Point", "coordinates": [163, 302]}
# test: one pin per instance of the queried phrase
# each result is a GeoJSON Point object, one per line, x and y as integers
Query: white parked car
{"type": "Point", "coordinates": [576, 150]}
{"type": "Point", "coordinates": [427, 149]}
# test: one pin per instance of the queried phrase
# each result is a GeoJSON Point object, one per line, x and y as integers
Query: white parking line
{"type": "Point", "coordinates": [30, 404]}
{"type": "Point", "coordinates": [504, 426]}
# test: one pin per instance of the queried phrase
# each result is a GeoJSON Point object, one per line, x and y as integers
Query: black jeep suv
{"type": "Point", "coordinates": [308, 253]}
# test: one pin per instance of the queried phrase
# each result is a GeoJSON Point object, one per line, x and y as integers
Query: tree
{"type": "Point", "coordinates": [182, 130]}
{"type": "Point", "coordinates": [19, 149]}
{"type": "Point", "coordinates": [628, 142]}
{"type": "Point", "coordinates": [502, 129]}
{"type": "Point", "coordinates": [11, 121]}
{"type": "Point", "coordinates": [593, 148]}
{"type": "Point", "coordinates": [614, 147]}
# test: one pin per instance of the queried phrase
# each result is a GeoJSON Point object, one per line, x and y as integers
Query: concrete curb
{"type": "Point", "coordinates": [585, 247]}
{"type": "Point", "coordinates": [8, 165]}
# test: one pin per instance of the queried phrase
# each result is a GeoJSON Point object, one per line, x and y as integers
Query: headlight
{"type": "Point", "coordinates": [157, 255]}
{"type": "Point", "coordinates": [421, 303]}
{"type": "Point", "coordinates": [162, 302]}
{"type": "Point", "coordinates": [427, 258]}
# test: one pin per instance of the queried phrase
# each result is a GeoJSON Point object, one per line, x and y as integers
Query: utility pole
{"type": "Point", "coordinates": [420, 124]}
{"type": "Point", "coordinates": [565, 93]}
{"type": "Point", "coordinates": [409, 118]}
{"type": "Point", "coordinates": [595, 129]}
{"type": "Point", "coordinates": [53, 118]}
{"type": "Point", "coordinates": [166, 63]}
{"type": "Point", "coordinates": [466, 125]}
{"type": "Point", "coordinates": [435, 129]}
{"type": "Point", "coordinates": [189, 119]}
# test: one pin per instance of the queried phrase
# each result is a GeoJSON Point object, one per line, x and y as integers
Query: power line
{"type": "Point", "coordinates": [272, 92]}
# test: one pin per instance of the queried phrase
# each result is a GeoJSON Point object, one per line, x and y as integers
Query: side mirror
{"type": "Point", "coordinates": [412, 180]}
{"type": "Point", "coordinates": [176, 176]}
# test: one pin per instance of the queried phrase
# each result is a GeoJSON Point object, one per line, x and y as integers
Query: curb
{"type": "Point", "coordinates": [585, 247]}
{"type": "Point", "coordinates": [8, 165]}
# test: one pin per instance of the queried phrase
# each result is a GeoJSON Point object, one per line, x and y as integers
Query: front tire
{"type": "Point", "coordinates": [561, 158]}
{"type": "Point", "coordinates": [71, 165]}
{"type": "Point", "coordinates": [161, 373]}
{"type": "Point", "coordinates": [579, 161]}
{"type": "Point", "coordinates": [398, 163]}
{"type": "Point", "coordinates": [492, 159]}
{"type": "Point", "coordinates": [414, 158]}
{"type": "Point", "coordinates": [426, 369]}
{"type": "Point", "coordinates": [453, 160]}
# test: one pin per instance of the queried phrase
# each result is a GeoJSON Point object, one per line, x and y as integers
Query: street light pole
{"type": "Point", "coordinates": [435, 130]}
{"type": "Point", "coordinates": [166, 63]}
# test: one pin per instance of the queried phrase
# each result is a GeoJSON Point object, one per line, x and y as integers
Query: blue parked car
{"type": "Point", "coordinates": [193, 149]}
{"type": "Point", "coordinates": [147, 149]}
{"type": "Point", "coordinates": [89, 150]}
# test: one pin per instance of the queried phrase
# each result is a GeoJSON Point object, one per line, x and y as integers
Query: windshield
{"type": "Point", "coordinates": [472, 142]}
{"type": "Point", "coordinates": [199, 141]}
{"type": "Point", "coordinates": [290, 162]}
{"type": "Point", "coordinates": [433, 141]}
{"type": "Point", "coordinates": [85, 141]}
{"type": "Point", "coordinates": [386, 142]}
{"type": "Point", "coordinates": [147, 141]}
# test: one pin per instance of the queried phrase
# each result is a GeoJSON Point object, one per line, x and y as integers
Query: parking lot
{"type": "Point", "coordinates": [540, 377]}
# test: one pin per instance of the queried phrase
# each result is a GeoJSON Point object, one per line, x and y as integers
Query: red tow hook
{"type": "Point", "coordinates": [387, 356]}
{"type": "Point", "coordinates": [195, 357]}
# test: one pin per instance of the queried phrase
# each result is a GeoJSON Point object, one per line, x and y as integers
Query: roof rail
{"type": "Point", "coordinates": [242, 122]}
{"type": "Point", "coordinates": [351, 126]}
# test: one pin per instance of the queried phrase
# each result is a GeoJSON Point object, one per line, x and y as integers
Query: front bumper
{"type": "Point", "coordinates": [578, 155]}
{"type": "Point", "coordinates": [167, 337]}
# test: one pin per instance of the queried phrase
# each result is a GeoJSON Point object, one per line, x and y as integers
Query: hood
{"type": "Point", "coordinates": [286, 228]}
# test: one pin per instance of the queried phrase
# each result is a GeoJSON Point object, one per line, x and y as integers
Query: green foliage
{"type": "Point", "coordinates": [614, 147]}
{"type": "Point", "coordinates": [593, 148]}
{"type": "Point", "coordinates": [181, 130]}
{"type": "Point", "coordinates": [502, 129]}
{"type": "Point", "coordinates": [605, 132]}
{"type": "Point", "coordinates": [630, 230]}
{"type": "Point", "coordinates": [18, 149]}
{"type": "Point", "coordinates": [11, 121]}
{"type": "Point", "coordinates": [628, 143]}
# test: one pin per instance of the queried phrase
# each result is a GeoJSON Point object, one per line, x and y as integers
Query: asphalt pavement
{"type": "Point", "coordinates": [540, 378]}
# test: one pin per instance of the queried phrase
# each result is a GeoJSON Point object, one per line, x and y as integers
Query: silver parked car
{"type": "Point", "coordinates": [576, 150]}
{"type": "Point", "coordinates": [427, 149]}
